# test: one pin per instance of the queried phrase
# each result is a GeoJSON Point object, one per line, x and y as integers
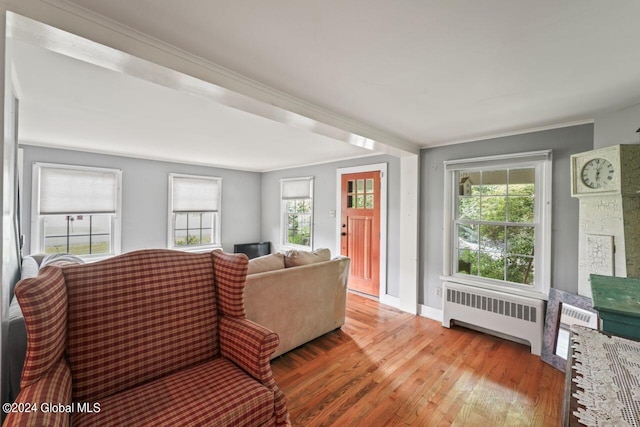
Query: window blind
{"type": "Point", "coordinates": [296, 188]}
{"type": "Point", "coordinates": [77, 191]}
{"type": "Point", "coordinates": [195, 194]}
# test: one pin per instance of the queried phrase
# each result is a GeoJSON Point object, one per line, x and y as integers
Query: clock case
{"type": "Point", "coordinates": [625, 159]}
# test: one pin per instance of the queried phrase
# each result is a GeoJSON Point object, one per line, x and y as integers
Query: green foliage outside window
{"type": "Point", "coordinates": [495, 225]}
{"type": "Point", "coordinates": [298, 222]}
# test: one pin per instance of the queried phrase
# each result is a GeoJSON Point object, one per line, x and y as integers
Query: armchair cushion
{"type": "Point", "coordinates": [239, 400]}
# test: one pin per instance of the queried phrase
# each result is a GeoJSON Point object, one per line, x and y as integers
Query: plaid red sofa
{"type": "Point", "coordinates": [148, 338]}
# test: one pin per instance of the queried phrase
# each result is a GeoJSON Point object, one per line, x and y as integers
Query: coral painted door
{"type": "Point", "coordinates": [360, 230]}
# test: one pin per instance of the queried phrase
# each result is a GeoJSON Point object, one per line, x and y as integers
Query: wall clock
{"type": "Point", "coordinates": [613, 175]}
{"type": "Point", "coordinates": [597, 173]}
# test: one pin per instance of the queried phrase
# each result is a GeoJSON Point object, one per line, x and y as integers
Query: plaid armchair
{"type": "Point", "coordinates": [149, 338]}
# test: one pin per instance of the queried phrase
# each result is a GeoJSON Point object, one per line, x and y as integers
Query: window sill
{"type": "Point", "coordinates": [529, 293]}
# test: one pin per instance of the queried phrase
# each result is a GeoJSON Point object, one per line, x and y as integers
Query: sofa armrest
{"type": "Point", "coordinates": [32, 406]}
{"type": "Point", "coordinates": [248, 345]}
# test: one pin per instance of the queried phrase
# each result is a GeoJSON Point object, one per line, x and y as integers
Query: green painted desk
{"type": "Point", "coordinates": [617, 300]}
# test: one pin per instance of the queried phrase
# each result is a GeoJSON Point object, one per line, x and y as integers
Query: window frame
{"type": "Point", "coordinates": [217, 220]}
{"type": "Point", "coordinates": [542, 162]}
{"type": "Point", "coordinates": [37, 219]}
{"type": "Point", "coordinates": [284, 244]}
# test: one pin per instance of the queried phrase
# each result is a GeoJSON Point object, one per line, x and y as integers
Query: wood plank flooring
{"type": "Point", "coordinates": [387, 367]}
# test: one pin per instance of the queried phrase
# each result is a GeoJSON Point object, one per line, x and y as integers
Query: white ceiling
{"type": "Point", "coordinates": [429, 72]}
{"type": "Point", "coordinates": [68, 103]}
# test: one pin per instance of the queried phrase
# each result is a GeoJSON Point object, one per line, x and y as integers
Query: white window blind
{"type": "Point", "coordinates": [196, 194]}
{"type": "Point", "coordinates": [296, 188]}
{"type": "Point", "coordinates": [77, 191]}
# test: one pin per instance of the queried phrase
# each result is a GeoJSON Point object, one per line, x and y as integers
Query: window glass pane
{"type": "Point", "coordinates": [299, 229]}
{"type": "Point", "coordinates": [475, 181]}
{"type": "Point", "coordinates": [520, 269]}
{"type": "Point", "coordinates": [468, 262]}
{"type": "Point", "coordinates": [79, 225]}
{"type": "Point", "coordinates": [193, 221]}
{"type": "Point", "coordinates": [369, 201]}
{"type": "Point", "coordinates": [100, 224]}
{"type": "Point", "coordinates": [360, 202]}
{"type": "Point", "coordinates": [494, 183]}
{"type": "Point", "coordinates": [350, 187]}
{"type": "Point", "coordinates": [469, 183]}
{"type": "Point", "coordinates": [369, 185]}
{"type": "Point", "coordinates": [55, 245]}
{"type": "Point", "coordinates": [360, 184]}
{"type": "Point", "coordinates": [207, 236]}
{"type": "Point", "coordinates": [468, 236]}
{"type": "Point", "coordinates": [492, 238]}
{"type": "Point", "coordinates": [469, 208]}
{"type": "Point", "coordinates": [100, 244]}
{"type": "Point", "coordinates": [522, 181]}
{"type": "Point", "coordinates": [520, 240]}
{"type": "Point", "coordinates": [350, 202]}
{"type": "Point", "coordinates": [494, 208]}
{"type": "Point", "coordinates": [55, 225]}
{"type": "Point", "coordinates": [180, 221]}
{"type": "Point", "coordinates": [521, 209]}
{"type": "Point", "coordinates": [180, 237]}
{"type": "Point", "coordinates": [492, 265]}
{"type": "Point", "coordinates": [79, 245]}
{"type": "Point", "coordinates": [207, 220]}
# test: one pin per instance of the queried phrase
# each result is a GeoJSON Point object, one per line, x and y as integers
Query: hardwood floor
{"type": "Point", "coordinates": [387, 367]}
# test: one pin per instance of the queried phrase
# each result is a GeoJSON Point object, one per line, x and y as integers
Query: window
{"type": "Point", "coordinates": [76, 210]}
{"type": "Point", "coordinates": [297, 212]}
{"type": "Point", "coordinates": [194, 212]}
{"type": "Point", "coordinates": [498, 221]}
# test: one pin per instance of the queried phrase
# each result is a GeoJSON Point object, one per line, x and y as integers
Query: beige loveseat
{"type": "Point", "coordinates": [298, 295]}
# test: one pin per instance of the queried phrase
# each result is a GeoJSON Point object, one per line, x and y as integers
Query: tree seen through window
{"type": "Point", "coordinates": [495, 224]}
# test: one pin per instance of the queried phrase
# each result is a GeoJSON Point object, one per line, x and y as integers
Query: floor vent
{"type": "Point", "coordinates": [513, 315]}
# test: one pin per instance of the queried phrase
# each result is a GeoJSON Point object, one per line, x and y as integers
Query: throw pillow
{"type": "Point", "coordinates": [295, 258]}
{"type": "Point", "coordinates": [266, 263]}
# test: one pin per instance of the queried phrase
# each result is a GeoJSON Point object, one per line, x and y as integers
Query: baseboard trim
{"type": "Point", "coordinates": [430, 313]}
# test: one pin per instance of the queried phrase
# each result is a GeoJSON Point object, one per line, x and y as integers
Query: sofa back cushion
{"type": "Point", "coordinates": [266, 263]}
{"type": "Point", "coordinates": [295, 258]}
{"type": "Point", "coordinates": [136, 317]}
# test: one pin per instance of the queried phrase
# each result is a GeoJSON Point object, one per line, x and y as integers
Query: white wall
{"type": "Point", "coordinates": [145, 192]}
{"type": "Point", "coordinates": [617, 127]}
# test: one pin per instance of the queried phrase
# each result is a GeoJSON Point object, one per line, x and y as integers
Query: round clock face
{"type": "Point", "coordinates": [597, 173]}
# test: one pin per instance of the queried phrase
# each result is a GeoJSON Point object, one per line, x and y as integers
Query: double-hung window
{"type": "Point", "coordinates": [498, 222]}
{"type": "Point", "coordinates": [76, 210]}
{"type": "Point", "coordinates": [194, 212]}
{"type": "Point", "coordinates": [296, 196]}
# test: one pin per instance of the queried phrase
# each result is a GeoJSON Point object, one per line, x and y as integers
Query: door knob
{"type": "Point", "coordinates": [343, 234]}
